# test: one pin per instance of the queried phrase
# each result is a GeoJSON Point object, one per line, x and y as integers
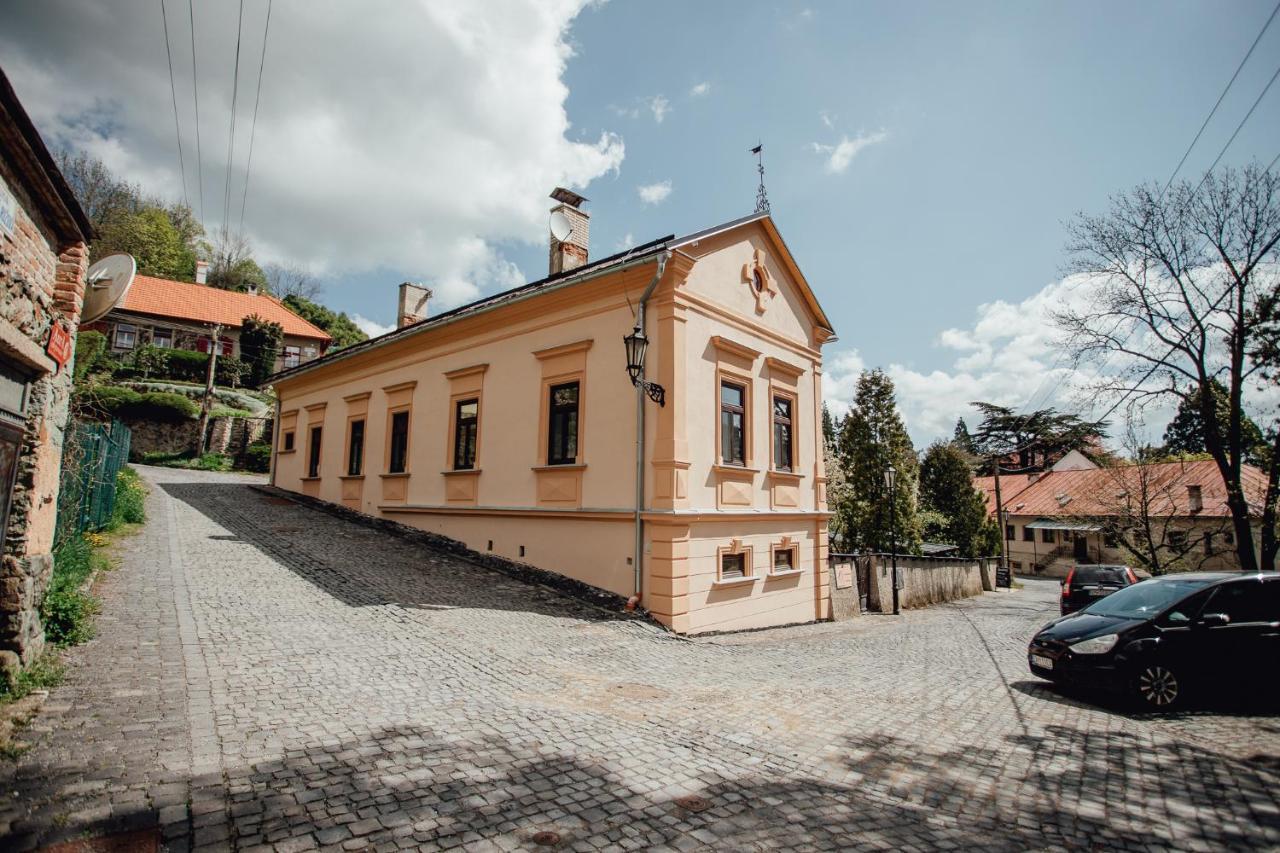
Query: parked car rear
{"type": "Point", "coordinates": [1084, 585]}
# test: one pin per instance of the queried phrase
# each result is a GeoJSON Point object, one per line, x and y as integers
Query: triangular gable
{"type": "Point", "coordinates": [783, 254]}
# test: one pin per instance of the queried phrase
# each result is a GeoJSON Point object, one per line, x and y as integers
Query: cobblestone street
{"type": "Point", "coordinates": [269, 676]}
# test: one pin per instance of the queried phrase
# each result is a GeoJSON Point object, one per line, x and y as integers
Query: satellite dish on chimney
{"type": "Point", "coordinates": [107, 282]}
{"type": "Point", "coordinates": [561, 227]}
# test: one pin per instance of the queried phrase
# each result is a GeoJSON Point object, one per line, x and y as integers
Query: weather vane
{"type": "Point", "coordinates": [762, 198]}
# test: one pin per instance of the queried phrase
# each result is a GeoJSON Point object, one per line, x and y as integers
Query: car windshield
{"type": "Point", "coordinates": [1101, 574]}
{"type": "Point", "coordinates": [1146, 599]}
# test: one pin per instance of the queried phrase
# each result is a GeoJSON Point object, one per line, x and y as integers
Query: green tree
{"type": "Point", "coordinates": [147, 234]}
{"type": "Point", "coordinates": [963, 440]}
{"type": "Point", "coordinates": [1185, 433]}
{"type": "Point", "coordinates": [946, 488]}
{"type": "Point", "coordinates": [872, 436]}
{"type": "Point", "coordinates": [1037, 439]}
{"type": "Point", "coordinates": [260, 347]}
{"type": "Point", "coordinates": [828, 426]}
{"type": "Point", "coordinates": [339, 326]}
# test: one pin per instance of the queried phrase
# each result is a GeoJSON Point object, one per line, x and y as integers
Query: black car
{"type": "Point", "coordinates": [1084, 585]}
{"type": "Point", "coordinates": [1163, 639]}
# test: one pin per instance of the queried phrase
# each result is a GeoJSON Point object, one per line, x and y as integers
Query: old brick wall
{"type": "Point", "coordinates": [41, 284]}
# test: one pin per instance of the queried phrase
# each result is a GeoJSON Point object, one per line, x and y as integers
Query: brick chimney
{"type": "Point", "coordinates": [570, 252]}
{"type": "Point", "coordinates": [413, 304]}
{"type": "Point", "coordinates": [202, 272]}
{"type": "Point", "coordinates": [1195, 499]}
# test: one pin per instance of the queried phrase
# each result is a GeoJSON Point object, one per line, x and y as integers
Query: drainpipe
{"type": "Point", "coordinates": [637, 560]}
{"type": "Point", "coordinates": [275, 440]}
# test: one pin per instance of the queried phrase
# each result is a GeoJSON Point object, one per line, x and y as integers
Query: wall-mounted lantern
{"type": "Point", "coordinates": [637, 344]}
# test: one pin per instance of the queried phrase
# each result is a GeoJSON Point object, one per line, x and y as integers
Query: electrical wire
{"type": "Point", "coordinates": [195, 89]}
{"type": "Point", "coordinates": [173, 90]}
{"type": "Point", "coordinates": [248, 166]}
{"type": "Point", "coordinates": [1218, 103]}
{"type": "Point", "coordinates": [231, 136]}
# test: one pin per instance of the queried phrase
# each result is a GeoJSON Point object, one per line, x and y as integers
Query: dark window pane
{"type": "Point", "coordinates": [1046, 536]}
{"type": "Point", "coordinates": [313, 462]}
{"type": "Point", "coordinates": [466, 428]}
{"type": "Point", "coordinates": [288, 440]}
{"type": "Point", "coordinates": [732, 566]}
{"type": "Point", "coordinates": [562, 426]}
{"type": "Point", "coordinates": [1246, 601]}
{"type": "Point", "coordinates": [355, 462]}
{"type": "Point", "coordinates": [782, 408]}
{"type": "Point", "coordinates": [783, 561]}
{"type": "Point", "coordinates": [399, 443]}
{"type": "Point", "coordinates": [731, 395]}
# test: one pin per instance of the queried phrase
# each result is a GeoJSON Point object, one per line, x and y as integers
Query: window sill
{"type": "Point", "coordinates": [730, 582]}
{"type": "Point", "coordinates": [580, 466]}
{"type": "Point", "coordinates": [284, 452]}
{"type": "Point", "coordinates": [400, 475]}
{"type": "Point", "coordinates": [461, 472]}
{"type": "Point", "coordinates": [351, 477]}
{"type": "Point", "coordinates": [310, 479]}
{"type": "Point", "coordinates": [789, 573]}
{"type": "Point", "coordinates": [792, 476]}
{"type": "Point", "coordinates": [721, 468]}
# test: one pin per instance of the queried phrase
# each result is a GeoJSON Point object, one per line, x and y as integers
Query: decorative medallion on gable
{"type": "Point", "coordinates": [756, 276]}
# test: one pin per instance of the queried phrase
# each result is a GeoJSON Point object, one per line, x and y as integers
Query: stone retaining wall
{"type": "Point", "coordinates": [927, 580]}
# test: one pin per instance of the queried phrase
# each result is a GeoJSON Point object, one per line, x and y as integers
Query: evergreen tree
{"type": "Point", "coordinates": [260, 347]}
{"type": "Point", "coordinates": [946, 488]}
{"type": "Point", "coordinates": [963, 440]}
{"type": "Point", "coordinates": [871, 437]}
{"type": "Point", "coordinates": [339, 326]}
{"type": "Point", "coordinates": [828, 427]}
{"type": "Point", "coordinates": [1185, 433]}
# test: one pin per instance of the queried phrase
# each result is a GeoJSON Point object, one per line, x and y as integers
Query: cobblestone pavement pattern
{"type": "Point", "coordinates": [270, 677]}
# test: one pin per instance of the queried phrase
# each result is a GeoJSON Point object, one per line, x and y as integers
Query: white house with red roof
{"type": "Point", "coordinates": [1081, 513]}
{"type": "Point", "coordinates": [181, 315]}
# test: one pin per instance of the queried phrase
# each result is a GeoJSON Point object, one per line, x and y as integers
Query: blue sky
{"type": "Point", "coordinates": [971, 133]}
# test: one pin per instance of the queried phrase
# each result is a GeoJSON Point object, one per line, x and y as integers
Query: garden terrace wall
{"type": "Point", "coordinates": [927, 580]}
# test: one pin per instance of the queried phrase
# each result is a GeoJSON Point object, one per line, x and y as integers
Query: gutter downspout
{"type": "Point", "coordinates": [638, 558]}
{"type": "Point", "coordinates": [275, 440]}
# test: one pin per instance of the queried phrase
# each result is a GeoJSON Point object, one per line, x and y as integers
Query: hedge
{"type": "Point", "coordinates": [164, 363]}
{"type": "Point", "coordinates": [131, 405]}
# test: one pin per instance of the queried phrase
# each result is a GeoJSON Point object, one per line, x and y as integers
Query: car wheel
{"type": "Point", "coordinates": [1158, 687]}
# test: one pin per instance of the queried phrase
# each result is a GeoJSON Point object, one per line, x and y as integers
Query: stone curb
{"type": "Point", "coordinates": [609, 602]}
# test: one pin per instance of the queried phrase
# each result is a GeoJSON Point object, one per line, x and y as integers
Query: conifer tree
{"type": "Point", "coordinates": [871, 437]}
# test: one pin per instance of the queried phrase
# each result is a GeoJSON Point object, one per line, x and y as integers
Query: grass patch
{"type": "Point", "coordinates": [131, 498]}
{"type": "Point", "coordinates": [185, 459]}
{"type": "Point", "coordinates": [68, 608]}
{"type": "Point", "coordinates": [44, 673]}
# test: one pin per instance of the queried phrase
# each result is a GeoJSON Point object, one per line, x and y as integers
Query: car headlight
{"type": "Point", "coordinates": [1095, 645]}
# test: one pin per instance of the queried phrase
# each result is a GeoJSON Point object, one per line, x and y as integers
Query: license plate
{"type": "Point", "coordinates": [1042, 661]}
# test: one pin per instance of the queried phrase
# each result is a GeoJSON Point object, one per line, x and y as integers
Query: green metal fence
{"type": "Point", "coordinates": [92, 456]}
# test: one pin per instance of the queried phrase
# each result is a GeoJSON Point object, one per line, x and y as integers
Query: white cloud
{"type": "Point", "coordinates": [700, 90]}
{"type": "Point", "coordinates": [348, 175]}
{"type": "Point", "coordinates": [628, 240]}
{"type": "Point", "coordinates": [840, 155]}
{"type": "Point", "coordinates": [828, 118]}
{"type": "Point", "coordinates": [654, 193]}
{"type": "Point", "coordinates": [1011, 355]}
{"type": "Point", "coordinates": [659, 106]}
{"type": "Point", "coordinates": [371, 328]}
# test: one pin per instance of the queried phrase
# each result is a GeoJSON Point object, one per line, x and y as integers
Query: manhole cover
{"type": "Point", "coordinates": [693, 803]}
{"type": "Point", "coordinates": [546, 838]}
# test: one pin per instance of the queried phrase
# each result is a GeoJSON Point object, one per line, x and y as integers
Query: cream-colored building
{"type": "Point", "coordinates": [511, 424]}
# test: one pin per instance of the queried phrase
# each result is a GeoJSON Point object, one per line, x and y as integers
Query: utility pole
{"type": "Point", "coordinates": [1004, 536]}
{"type": "Point", "coordinates": [207, 403]}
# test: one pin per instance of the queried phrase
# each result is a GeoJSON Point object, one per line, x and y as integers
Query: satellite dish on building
{"type": "Point", "coordinates": [106, 284]}
{"type": "Point", "coordinates": [561, 227]}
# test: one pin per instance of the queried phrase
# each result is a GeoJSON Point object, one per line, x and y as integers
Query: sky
{"type": "Point", "coordinates": [922, 159]}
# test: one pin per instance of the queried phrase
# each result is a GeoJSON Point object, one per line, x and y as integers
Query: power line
{"type": "Point", "coordinates": [1218, 103]}
{"type": "Point", "coordinates": [254, 127]}
{"type": "Point", "coordinates": [1235, 133]}
{"type": "Point", "coordinates": [231, 138]}
{"type": "Point", "coordinates": [174, 92]}
{"type": "Point", "coordinates": [195, 88]}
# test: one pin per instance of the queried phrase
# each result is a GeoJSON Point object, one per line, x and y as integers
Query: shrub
{"type": "Point", "coordinates": [184, 364]}
{"type": "Point", "coordinates": [212, 462]}
{"type": "Point", "coordinates": [230, 371]}
{"type": "Point", "coordinates": [126, 403]}
{"type": "Point", "coordinates": [257, 457]}
{"type": "Point", "coordinates": [166, 458]}
{"type": "Point", "coordinates": [150, 361]}
{"type": "Point", "coordinates": [131, 496]}
{"type": "Point", "coordinates": [89, 349]}
{"type": "Point", "coordinates": [260, 340]}
{"type": "Point", "coordinates": [67, 609]}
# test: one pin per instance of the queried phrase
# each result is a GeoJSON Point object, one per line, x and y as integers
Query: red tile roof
{"type": "Point", "coordinates": [198, 303]}
{"type": "Point", "coordinates": [1102, 491]}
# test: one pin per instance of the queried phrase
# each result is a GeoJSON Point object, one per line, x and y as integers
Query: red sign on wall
{"type": "Point", "coordinates": [60, 346]}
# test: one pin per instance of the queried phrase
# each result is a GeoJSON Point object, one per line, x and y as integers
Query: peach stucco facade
{"type": "Point", "coordinates": [730, 305]}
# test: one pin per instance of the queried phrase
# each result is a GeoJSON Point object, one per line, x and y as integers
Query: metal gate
{"type": "Point", "coordinates": [92, 456]}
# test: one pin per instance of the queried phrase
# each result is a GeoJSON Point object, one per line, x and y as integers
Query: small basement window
{"type": "Point", "coordinates": [733, 566]}
{"type": "Point", "coordinates": [784, 560]}
{"type": "Point", "coordinates": [288, 440]}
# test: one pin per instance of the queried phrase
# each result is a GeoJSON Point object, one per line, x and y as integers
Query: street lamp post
{"type": "Point", "coordinates": [890, 479]}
